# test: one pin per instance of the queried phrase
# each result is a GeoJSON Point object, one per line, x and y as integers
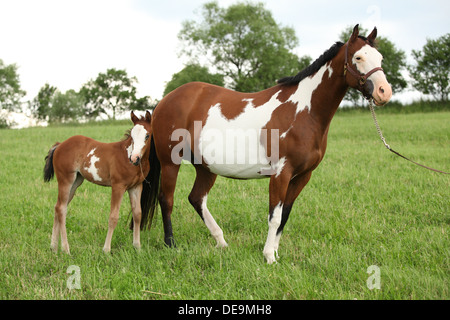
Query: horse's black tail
{"type": "Point", "coordinates": [150, 189]}
{"type": "Point", "coordinates": [49, 172]}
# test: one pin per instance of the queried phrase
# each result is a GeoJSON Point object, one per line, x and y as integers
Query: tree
{"type": "Point", "coordinates": [54, 106]}
{"type": "Point", "coordinates": [144, 103]}
{"type": "Point", "coordinates": [66, 106]}
{"type": "Point", "coordinates": [41, 104]}
{"type": "Point", "coordinates": [193, 72]}
{"type": "Point", "coordinates": [431, 73]}
{"type": "Point", "coordinates": [10, 91]}
{"type": "Point", "coordinates": [110, 92]}
{"type": "Point", "coordinates": [394, 62]}
{"type": "Point", "coordinates": [243, 43]}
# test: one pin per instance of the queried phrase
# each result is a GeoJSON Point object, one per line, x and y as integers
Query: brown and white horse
{"type": "Point", "coordinates": [121, 165]}
{"type": "Point", "coordinates": [279, 133]}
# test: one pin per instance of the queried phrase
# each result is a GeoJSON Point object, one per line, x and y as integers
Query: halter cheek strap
{"type": "Point", "coordinates": [362, 78]}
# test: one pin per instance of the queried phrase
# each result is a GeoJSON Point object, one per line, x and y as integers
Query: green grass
{"type": "Point", "coordinates": [362, 207]}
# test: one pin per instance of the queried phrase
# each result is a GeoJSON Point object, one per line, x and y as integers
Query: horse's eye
{"type": "Point", "coordinates": [147, 136]}
{"type": "Point", "coordinates": [358, 58]}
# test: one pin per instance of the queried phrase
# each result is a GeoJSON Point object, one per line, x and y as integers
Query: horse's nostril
{"type": "Point", "coordinates": [381, 90]}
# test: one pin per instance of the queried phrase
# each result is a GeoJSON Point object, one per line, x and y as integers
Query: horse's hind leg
{"type": "Point", "coordinates": [198, 197]}
{"type": "Point", "coordinates": [65, 185]}
{"type": "Point", "coordinates": [169, 174]}
{"type": "Point", "coordinates": [78, 181]}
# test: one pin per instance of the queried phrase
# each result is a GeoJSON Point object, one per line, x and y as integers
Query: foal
{"type": "Point", "coordinates": [121, 165]}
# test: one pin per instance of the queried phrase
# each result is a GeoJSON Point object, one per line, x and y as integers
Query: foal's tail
{"type": "Point", "coordinates": [49, 172]}
{"type": "Point", "coordinates": [150, 188]}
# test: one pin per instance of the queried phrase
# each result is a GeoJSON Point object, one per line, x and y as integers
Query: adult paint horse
{"type": "Point", "coordinates": [281, 132]}
{"type": "Point", "coordinates": [121, 165]}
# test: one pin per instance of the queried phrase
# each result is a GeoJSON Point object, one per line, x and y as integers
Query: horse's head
{"type": "Point", "coordinates": [363, 68]}
{"type": "Point", "coordinates": [140, 134]}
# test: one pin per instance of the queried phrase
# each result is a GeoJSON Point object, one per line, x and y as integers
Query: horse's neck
{"type": "Point", "coordinates": [328, 96]}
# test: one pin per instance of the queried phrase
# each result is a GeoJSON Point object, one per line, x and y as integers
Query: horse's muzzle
{"type": "Point", "coordinates": [136, 161]}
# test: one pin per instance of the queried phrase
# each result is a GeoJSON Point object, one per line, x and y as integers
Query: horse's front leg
{"type": "Point", "coordinates": [135, 200]}
{"type": "Point", "coordinates": [277, 192]}
{"type": "Point", "coordinates": [116, 200]}
{"type": "Point", "coordinates": [283, 191]}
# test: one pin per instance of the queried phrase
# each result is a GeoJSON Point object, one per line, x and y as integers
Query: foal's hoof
{"type": "Point", "coordinates": [222, 245]}
{"type": "Point", "coordinates": [137, 247]}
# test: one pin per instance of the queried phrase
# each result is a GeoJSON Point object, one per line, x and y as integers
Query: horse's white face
{"type": "Point", "coordinates": [367, 58]}
{"type": "Point", "coordinates": [139, 137]}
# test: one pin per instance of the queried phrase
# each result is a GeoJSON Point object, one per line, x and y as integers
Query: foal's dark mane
{"type": "Point", "coordinates": [314, 67]}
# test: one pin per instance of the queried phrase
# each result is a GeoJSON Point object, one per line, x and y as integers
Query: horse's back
{"type": "Point", "coordinates": [69, 154]}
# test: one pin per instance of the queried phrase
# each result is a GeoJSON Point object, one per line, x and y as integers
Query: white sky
{"type": "Point", "coordinates": [68, 42]}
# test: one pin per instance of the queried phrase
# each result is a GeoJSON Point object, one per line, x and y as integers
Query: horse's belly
{"type": "Point", "coordinates": [244, 171]}
{"type": "Point", "coordinates": [234, 153]}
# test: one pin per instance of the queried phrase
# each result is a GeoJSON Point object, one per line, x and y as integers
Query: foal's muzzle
{"type": "Point", "coordinates": [136, 162]}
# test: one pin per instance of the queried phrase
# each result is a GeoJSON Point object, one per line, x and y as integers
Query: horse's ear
{"type": "Point", "coordinates": [371, 37]}
{"type": "Point", "coordinates": [148, 116]}
{"type": "Point", "coordinates": [355, 33]}
{"type": "Point", "coordinates": [133, 117]}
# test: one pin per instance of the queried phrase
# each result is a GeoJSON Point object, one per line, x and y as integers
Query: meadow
{"type": "Point", "coordinates": [363, 207]}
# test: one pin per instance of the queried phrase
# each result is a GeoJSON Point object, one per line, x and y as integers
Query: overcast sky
{"type": "Point", "coordinates": [68, 42]}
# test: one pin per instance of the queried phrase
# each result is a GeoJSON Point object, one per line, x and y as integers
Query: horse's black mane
{"type": "Point", "coordinates": [314, 67]}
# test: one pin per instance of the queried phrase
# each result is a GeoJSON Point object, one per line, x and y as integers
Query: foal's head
{"type": "Point", "coordinates": [140, 134]}
{"type": "Point", "coordinates": [364, 71]}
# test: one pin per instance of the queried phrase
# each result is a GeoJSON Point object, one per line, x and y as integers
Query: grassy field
{"type": "Point", "coordinates": [363, 207]}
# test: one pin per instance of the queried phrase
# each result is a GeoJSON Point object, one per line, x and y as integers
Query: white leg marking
{"type": "Point", "coordinates": [272, 238]}
{"type": "Point", "coordinates": [212, 225]}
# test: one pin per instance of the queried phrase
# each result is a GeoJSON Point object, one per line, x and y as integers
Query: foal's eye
{"type": "Point", "coordinates": [147, 136]}
{"type": "Point", "coordinates": [358, 58]}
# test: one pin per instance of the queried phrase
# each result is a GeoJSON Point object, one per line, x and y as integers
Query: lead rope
{"type": "Point", "coordinates": [140, 165]}
{"type": "Point", "coordinates": [372, 110]}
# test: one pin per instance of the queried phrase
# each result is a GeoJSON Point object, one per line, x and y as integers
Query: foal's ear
{"type": "Point", "coordinates": [148, 117]}
{"type": "Point", "coordinates": [355, 33]}
{"type": "Point", "coordinates": [371, 37]}
{"type": "Point", "coordinates": [134, 118]}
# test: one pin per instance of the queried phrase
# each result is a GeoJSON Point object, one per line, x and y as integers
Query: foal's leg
{"type": "Point", "coordinates": [116, 200]}
{"type": "Point", "coordinates": [78, 181]}
{"type": "Point", "coordinates": [169, 174]}
{"type": "Point", "coordinates": [135, 200]}
{"type": "Point", "coordinates": [65, 186]}
{"type": "Point", "coordinates": [198, 196]}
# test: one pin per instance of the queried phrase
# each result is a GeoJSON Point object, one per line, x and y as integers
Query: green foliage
{"type": "Point", "coordinates": [55, 106]}
{"type": "Point", "coordinates": [110, 93]}
{"type": "Point", "coordinates": [431, 73]}
{"type": "Point", "coordinates": [190, 73]}
{"type": "Point", "coordinates": [66, 106]}
{"type": "Point", "coordinates": [244, 43]}
{"type": "Point", "coordinates": [10, 91]}
{"type": "Point", "coordinates": [42, 103]}
{"type": "Point", "coordinates": [362, 207]}
{"type": "Point", "coordinates": [394, 62]}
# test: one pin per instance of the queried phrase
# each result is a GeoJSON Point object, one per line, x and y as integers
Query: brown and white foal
{"type": "Point", "coordinates": [121, 165]}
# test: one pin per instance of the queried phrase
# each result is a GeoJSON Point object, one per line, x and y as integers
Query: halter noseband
{"type": "Point", "coordinates": [362, 78]}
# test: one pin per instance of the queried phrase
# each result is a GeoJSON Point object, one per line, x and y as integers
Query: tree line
{"type": "Point", "coordinates": [240, 47]}
{"type": "Point", "coordinates": [106, 96]}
